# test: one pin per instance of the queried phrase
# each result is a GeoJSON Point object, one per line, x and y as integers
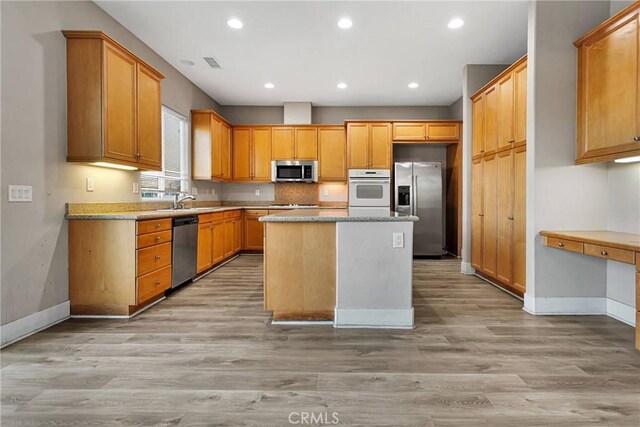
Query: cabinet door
{"type": "Point", "coordinates": [226, 151]}
{"type": "Point", "coordinates": [608, 91]}
{"type": "Point", "coordinates": [282, 143]}
{"type": "Point", "coordinates": [217, 244]}
{"type": "Point", "coordinates": [519, 218]}
{"type": "Point", "coordinates": [237, 235]}
{"type": "Point", "coordinates": [443, 132]}
{"type": "Point", "coordinates": [228, 238]}
{"type": "Point", "coordinates": [216, 147]}
{"type": "Point", "coordinates": [120, 105]}
{"type": "Point", "coordinates": [380, 151]}
{"type": "Point", "coordinates": [504, 267]}
{"type": "Point", "coordinates": [306, 146]}
{"type": "Point", "coordinates": [409, 131]}
{"type": "Point", "coordinates": [261, 153]}
{"type": "Point", "coordinates": [477, 132]}
{"type": "Point", "coordinates": [358, 145]}
{"type": "Point", "coordinates": [489, 201]}
{"type": "Point", "coordinates": [505, 98]}
{"type": "Point", "coordinates": [332, 154]}
{"type": "Point", "coordinates": [242, 154]}
{"type": "Point", "coordinates": [476, 214]}
{"type": "Point", "coordinates": [520, 101]}
{"type": "Point", "coordinates": [204, 257]}
{"type": "Point", "coordinates": [149, 109]}
{"type": "Point", "coordinates": [253, 233]}
{"type": "Point", "coordinates": [201, 146]}
{"type": "Point", "coordinates": [490, 120]}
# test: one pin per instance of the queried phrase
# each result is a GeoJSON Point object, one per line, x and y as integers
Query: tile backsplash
{"type": "Point", "coordinates": [301, 194]}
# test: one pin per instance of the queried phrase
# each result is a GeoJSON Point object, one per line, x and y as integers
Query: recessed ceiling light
{"type": "Point", "coordinates": [345, 23]}
{"type": "Point", "coordinates": [342, 85]}
{"type": "Point", "coordinates": [269, 85]}
{"type": "Point", "coordinates": [235, 23]}
{"type": "Point", "coordinates": [413, 85]}
{"type": "Point", "coordinates": [455, 23]}
{"type": "Point", "coordinates": [187, 62]}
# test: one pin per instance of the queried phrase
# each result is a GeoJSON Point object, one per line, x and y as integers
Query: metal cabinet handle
{"type": "Point", "coordinates": [480, 214]}
{"type": "Point", "coordinates": [158, 238]}
{"type": "Point", "coordinates": [636, 138]}
{"type": "Point", "coordinates": [511, 141]}
{"type": "Point", "coordinates": [157, 282]}
{"type": "Point", "coordinates": [158, 225]}
{"type": "Point", "coordinates": [157, 256]}
{"type": "Point", "coordinates": [510, 218]}
{"type": "Point", "coordinates": [560, 244]}
{"type": "Point", "coordinates": [604, 253]}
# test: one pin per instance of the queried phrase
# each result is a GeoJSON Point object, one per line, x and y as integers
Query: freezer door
{"type": "Point", "coordinates": [403, 193]}
{"type": "Point", "coordinates": [428, 236]}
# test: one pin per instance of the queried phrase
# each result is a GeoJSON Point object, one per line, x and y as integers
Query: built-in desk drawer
{"type": "Point", "coordinates": [153, 258]}
{"type": "Point", "coordinates": [150, 239]}
{"type": "Point", "coordinates": [607, 252]}
{"type": "Point", "coordinates": [567, 245]}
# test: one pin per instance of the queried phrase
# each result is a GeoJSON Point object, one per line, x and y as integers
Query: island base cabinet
{"type": "Point", "coordinates": [300, 270]}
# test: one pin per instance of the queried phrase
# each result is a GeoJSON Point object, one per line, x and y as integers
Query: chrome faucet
{"type": "Point", "coordinates": [178, 202]}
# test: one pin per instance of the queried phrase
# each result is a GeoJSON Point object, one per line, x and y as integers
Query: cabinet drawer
{"type": "Point", "coordinates": [204, 218]}
{"type": "Point", "coordinates": [153, 284]}
{"type": "Point", "coordinates": [217, 216]}
{"type": "Point", "coordinates": [154, 225]}
{"type": "Point", "coordinates": [567, 245]}
{"type": "Point", "coordinates": [275, 211]}
{"type": "Point", "coordinates": [606, 252]}
{"type": "Point", "coordinates": [153, 258]}
{"type": "Point", "coordinates": [150, 239]}
{"type": "Point", "coordinates": [232, 214]}
{"type": "Point", "coordinates": [256, 212]}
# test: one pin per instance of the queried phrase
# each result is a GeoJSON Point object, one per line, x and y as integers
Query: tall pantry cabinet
{"type": "Point", "coordinates": [499, 179]}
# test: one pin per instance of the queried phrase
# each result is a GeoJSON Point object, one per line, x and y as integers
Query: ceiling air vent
{"type": "Point", "coordinates": [213, 62]}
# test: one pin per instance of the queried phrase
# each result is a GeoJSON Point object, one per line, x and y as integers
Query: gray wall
{"type": "Point", "coordinates": [618, 5]}
{"type": "Point", "coordinates": [252, 115]}
{"type": "Point", "coordinates": [34, 235]}
{"type": "Point", "coordinates": [456, 109]}
{"type": "Point", "coordinates": [560, 195]}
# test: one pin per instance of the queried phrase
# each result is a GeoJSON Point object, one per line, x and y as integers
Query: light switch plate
{"type": "Point", "coordinates": [20, 193]}
{"type": "Point", "coordinates": [91, 185]}
{"type": "Point", "coordinates": [257, 192]}
{"type": "Point", "coordinates": [136, 188]}
{"type": "Point", "coordinates": [325, 192]}
{"type": "Point", "coordinates": [398, 240]}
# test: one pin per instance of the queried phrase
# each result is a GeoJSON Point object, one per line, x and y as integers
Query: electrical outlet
{"type": "Point", "coordinates": [194, 191]}
{"type": "Point", "coordinates": [91, 185]}
{"type": "Point", "coordinates": [20, 193]}
{"type": "Point", "coordinates": [325, 192]}
{"type": "Point", "coordinates": [136, 188]}
{"type": "Point", "coordinates": [398, 240]}
{"type": "Point", "coordinates": [257, 192]}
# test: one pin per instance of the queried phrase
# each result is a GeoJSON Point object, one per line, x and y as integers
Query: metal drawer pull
{"type": "Point", "coordinates": [157, 225]}
{"type": "Point", "coordinates": [560, 244]}
{"type": "Point", "coordinates": [158, 238]}
{"type": "Point", "coordinates": [605, 253]}
{"type": "Point", "coordinates": [511, 141]}
{"type": "Point", "coordinates": [480, 214]}
{"type": "Point", "coordinates": [157, 256]}
{"type": "Point", "coordinates": [157, 282]}
{"type": "Point", "coordinates": [636, 138]}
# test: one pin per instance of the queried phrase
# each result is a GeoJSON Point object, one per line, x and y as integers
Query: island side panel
{"type": "Point", "coordinates": [300, 270]}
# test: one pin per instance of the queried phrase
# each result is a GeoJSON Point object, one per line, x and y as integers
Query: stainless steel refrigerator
{"type": "Point", "coordinates": [419, 191]}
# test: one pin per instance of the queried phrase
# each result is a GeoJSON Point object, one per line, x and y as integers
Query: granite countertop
{"type": "Point", "coordinates": [338, 215]}
{"type": "Point", "coordinates": [156, 214]}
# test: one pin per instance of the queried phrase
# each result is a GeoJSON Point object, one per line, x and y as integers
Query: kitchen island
{"type": "Point", "coordinates": [353, 268]}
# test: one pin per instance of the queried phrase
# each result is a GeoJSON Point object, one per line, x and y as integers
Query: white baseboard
{"type": "Point", "coordinates": [622, 312]}
{"type": "Point", "coordinates": [29, 325]}
{"type": "Point", "coordinates": [374, 318]}
{"type": "Point", "coordinates": [465, 268]}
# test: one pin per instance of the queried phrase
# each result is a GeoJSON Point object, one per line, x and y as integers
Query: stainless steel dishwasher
{"type": "Point", "coordinates": [185, 249]}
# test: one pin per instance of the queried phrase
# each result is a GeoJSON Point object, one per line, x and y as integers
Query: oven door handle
{"type": "Point", "coordinates": [370, 181]}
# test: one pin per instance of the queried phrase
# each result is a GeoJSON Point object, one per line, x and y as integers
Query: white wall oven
{"type": "Point", "coordinates": [369, 188]}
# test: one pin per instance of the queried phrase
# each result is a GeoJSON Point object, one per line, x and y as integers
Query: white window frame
{"type": "Point", "coordinates": [185, 174]}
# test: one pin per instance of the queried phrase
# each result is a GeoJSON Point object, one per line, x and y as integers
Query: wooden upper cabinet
{"type": "Point", "coordinates": [306, 143]}
{"type": "Point", "coordinates": [358, 145]}
{"type": "Point", "coordinates": [332, 154]}
{"type": "Point", "coordinates": [210, 146]}
{"type": "Point", "coordinates": [120, 104]}
{"type": "Point", "coordinates": [113, 103]}
{"type": "Point", "coordinates": [477, 132]}
{"type": "Point", "coordinates": [609, 90]}
{"type": "Point", "coordinates": [437, 132]}
{"type": "Point", "coordinates": [241, 142]}
{"type": "Point", "coordinates": [261, 153]}
{"type": "Point", "coordinates": [520, 103]}
{"type": "Point", "coordinates": [490, 120]}
{"type": "Point", "coordinates": [505, 112]}
{"type": "Point", "coordinates": [380, 151]}
{"type": "Point", "coordinates": [283, 145]}
{"type": "Point", "coordinates": [409, 131]}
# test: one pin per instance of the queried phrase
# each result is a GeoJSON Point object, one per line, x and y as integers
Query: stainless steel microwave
{"type": "Point", "coordinates": [294, 171]}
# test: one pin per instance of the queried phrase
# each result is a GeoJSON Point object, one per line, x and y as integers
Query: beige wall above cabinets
{"type": "Point", "coordinates": [251, 153]}
{"type": "Point", "coordinates": [498, 181]}
{"type": "Point", "coordinates": [113, 103]}
{"type": "Point", "coordinates": [609, 89]}
{"type": "Point", "coordinates": [211, 146]}
{"type": "Point", "coordinates": [426, 131]}
{"type": "Point", "coordinates": [369, 145]}
{"type": "Point", "coordinates": [294, 143]}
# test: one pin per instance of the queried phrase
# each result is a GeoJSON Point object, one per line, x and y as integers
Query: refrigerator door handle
{"type": "Point", "coordinates": [414, 202]}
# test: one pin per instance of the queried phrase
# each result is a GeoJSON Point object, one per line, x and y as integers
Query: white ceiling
{"type": "Point", "coordinates": [299, 47]}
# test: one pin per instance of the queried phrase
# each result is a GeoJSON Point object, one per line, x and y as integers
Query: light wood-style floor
{"type": "Point", "coordinates": [206, 356]}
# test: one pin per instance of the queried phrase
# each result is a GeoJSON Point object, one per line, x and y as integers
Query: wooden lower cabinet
{"type": "Point", "coordinates": [476, 214]}
{"type": "Point", "coordinates": [228, 238]}
{"type": "Point", "coordinates": [116, 267]}
{"type": "Point", "coordinates": [253, 230]}
{"type": "Point", "coordinates": [519, 218]}
{"type": "Point", "coordinates": [205, 247]}
{"type": "Point", "coordinates": [217, 242]}
{"type": "Point", "coordinates": [218, 238]}
{"type": "Point", "coordinates": [504, 217]}
{"type": "Point", "coordinates": [490, 216]}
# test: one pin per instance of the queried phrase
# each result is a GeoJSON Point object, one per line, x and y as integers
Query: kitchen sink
{"type": "Point", "coordinates": [182, 210]}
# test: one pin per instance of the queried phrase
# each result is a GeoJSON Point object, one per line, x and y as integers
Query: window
{"type": "Point", "coordinates": [174, 177]}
